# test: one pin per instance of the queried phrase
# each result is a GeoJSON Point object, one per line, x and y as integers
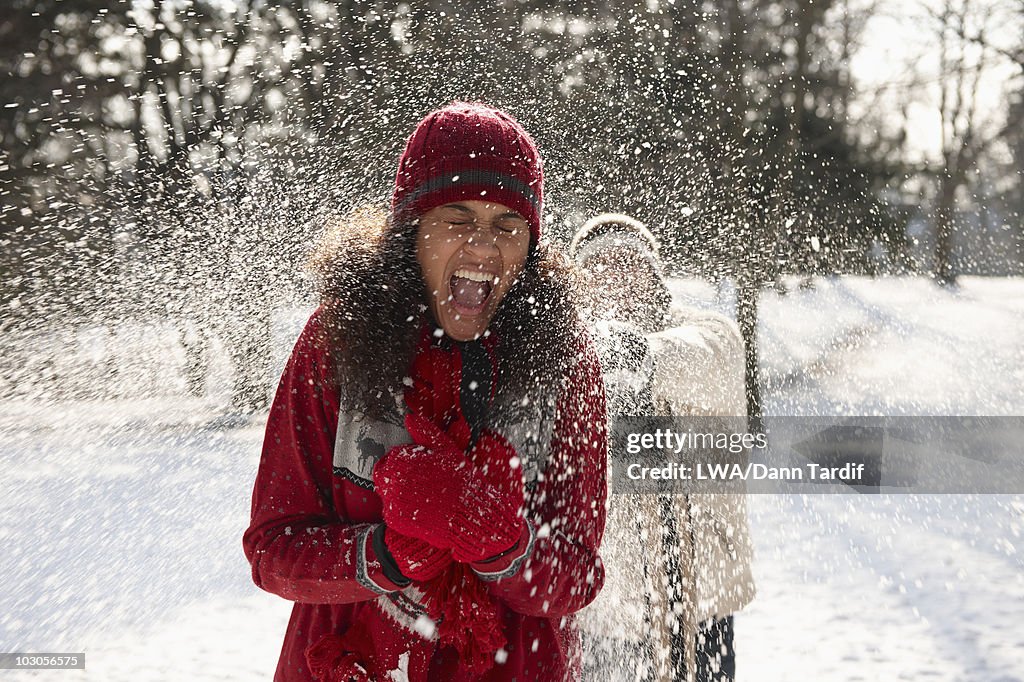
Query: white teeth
{"type": "Point", "coordinates": [474, 275]}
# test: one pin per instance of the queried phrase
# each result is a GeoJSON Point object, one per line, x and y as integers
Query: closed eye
{"type": "Point", "coordinates": [512, 225]}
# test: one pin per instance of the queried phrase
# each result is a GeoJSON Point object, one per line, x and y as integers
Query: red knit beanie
{"type": "Point", "coordinates": [470, 151]}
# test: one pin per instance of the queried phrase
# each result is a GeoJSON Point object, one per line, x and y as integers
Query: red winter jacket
{"type": "Point", "coordinates": [307, 540]}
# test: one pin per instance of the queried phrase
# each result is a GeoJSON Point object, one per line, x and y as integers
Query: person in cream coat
{"type": "Point", "coordinates": [677, 566]}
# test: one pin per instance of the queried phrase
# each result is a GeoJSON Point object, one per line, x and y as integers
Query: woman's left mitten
{"type": "Point", "coordinates": [488, 520]}
{"type": "Point", "coordinates": [416, 559]}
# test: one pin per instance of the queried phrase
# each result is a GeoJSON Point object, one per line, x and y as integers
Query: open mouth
{"type": "Point", "coordinates": [471, 290]}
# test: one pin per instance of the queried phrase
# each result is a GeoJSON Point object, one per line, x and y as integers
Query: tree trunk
{"type": "Point", "coordinates": [943, 268]}
{"type": "Point", "coordinates": [748, 291]}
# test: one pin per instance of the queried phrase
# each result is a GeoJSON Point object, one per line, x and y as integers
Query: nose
{"type": "Point", "coordinates": [483, 240]}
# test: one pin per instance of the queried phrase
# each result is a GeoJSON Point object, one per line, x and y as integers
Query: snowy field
{"type": "Point", "coordinates": [122, 518]}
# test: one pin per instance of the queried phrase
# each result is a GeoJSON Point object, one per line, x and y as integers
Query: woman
{"type": "Point", "coordinates": [431, 491]}
{"type": "Point", "coordinates": [663, 358]}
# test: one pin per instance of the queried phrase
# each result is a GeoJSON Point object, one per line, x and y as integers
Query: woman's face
{"type": "Point", "coordinates": [625, 286]}
{"type": "Point", "coordinates": [470, 253]}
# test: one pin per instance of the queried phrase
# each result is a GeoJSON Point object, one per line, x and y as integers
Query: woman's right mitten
{"type": "Point", "coordinates": [488, 520]}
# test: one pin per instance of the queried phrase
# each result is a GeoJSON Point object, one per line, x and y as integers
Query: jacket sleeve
{"type": "Point", "coordinates": [699, 368]}
{"type": "Point", "coordinates": [562, 571]}
{"type": "Point", "coordinates": [298, 546]}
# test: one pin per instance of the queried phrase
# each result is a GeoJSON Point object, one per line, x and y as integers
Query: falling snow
{"type": "Point", "coordinates": [844, 179]}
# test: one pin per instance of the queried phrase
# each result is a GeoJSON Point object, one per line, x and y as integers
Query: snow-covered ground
{"type": "Point", "coordinates": [122, 518]}
{"type": "Point", "coordinates": [887, 587]}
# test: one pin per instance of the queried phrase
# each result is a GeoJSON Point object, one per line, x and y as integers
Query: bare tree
{"type": "Point", "coordinates": [967, 53]}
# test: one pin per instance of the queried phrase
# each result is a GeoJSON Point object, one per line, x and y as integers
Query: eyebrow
{"type": "Point", "coordinates": [466, 209]}
{"type": "Point", "coordinates": [459, 207]}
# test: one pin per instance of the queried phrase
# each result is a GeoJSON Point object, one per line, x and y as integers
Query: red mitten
{"type": "Point", "coordinates": [415, 558]}
{"type": "Point", "coordinates": [418, 485]}
{"type": "Point", "coordinates": [433, 492]}
{"type": "Point", "coordinates": [427, 434]}
{"type": "Point", "coordinates": [489, 521]}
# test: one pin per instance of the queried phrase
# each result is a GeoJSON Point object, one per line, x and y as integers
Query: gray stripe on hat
{"type": "Point", "coordinates": [472, 177]}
